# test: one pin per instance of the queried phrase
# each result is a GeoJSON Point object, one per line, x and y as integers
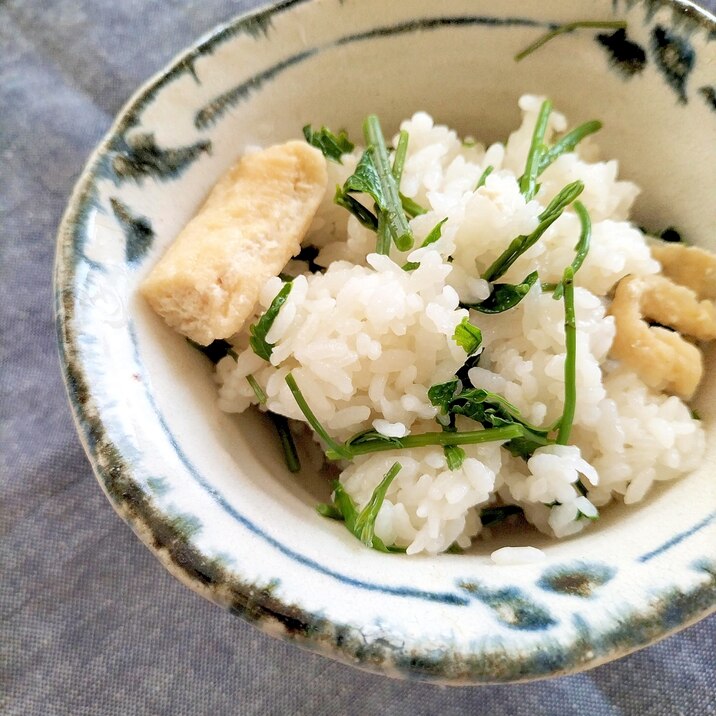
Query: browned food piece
{"type": "Point", "coordinates": [663, 359]}
{"type": "Point", "coordinates": [688, 266]}
{"type": "Point", "coordinates": [207, 283]}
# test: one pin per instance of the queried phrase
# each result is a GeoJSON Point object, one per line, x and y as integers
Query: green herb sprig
{"type": "Point", "coordinates": [570, 362]}
{"type": "Point", "coordinates": [283, 429]}
{"type": "Point", "coordinates": [490, 410]}
{"type": "Point", "coordinates": [569, 27]}
{"type": "Point", "coordinates": [567, 143]}
{"type": "Point", "coordinates": [333, 146]}
{"type": "Point", "coordinates": [504, 296]}
{"type": "Point", "coordinates": [522, 243]}
{"type": "Point", "coordinates": [581, 249]}
{"type": "Point", "coordinates": [483, 177]}
{"type": "Point", "coordinates": [259, 330]}
{"type": "Point", "coordinates": [376, 177]}
{"type": "Point", "coordinates": [361, 524]}
{"type": "Point", "coordinates": [371, 441]}
{"type": "Point", "coordinates": [467, 336]}
{"type": "Point", "coordinates": [528, 181]}
{"type": "Point", "coordinates": [431, 238]}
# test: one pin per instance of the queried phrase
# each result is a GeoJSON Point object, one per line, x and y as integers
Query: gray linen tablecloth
{"type": "Point", "coordinates": [90, 622]}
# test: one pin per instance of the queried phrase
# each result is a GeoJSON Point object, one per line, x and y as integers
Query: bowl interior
{"type": "Point", "coordinates": [150, 401]}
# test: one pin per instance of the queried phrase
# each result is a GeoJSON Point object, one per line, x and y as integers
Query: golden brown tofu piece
{"type": "Point", "coordinates": [662, 358]}
{"type": "Point", "coordinates": [688, 266]}
{"type": "Point", "coordinates": [207, 283]}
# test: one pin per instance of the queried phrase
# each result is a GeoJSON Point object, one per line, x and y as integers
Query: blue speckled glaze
{"type": "Point", "coordinates": [204, 516]}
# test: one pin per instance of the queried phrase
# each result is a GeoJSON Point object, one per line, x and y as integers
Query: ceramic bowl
{"type": "Point", "coordinates": [208, 492]}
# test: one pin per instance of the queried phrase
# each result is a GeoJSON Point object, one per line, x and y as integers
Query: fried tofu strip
{"type": "Point", "coordinates": [207, 283]}
{"type": "Point", "coordinates": [688, 266]}
{"type": "Point", "coordinates": [662, 358]}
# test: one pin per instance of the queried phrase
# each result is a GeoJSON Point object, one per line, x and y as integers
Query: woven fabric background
{"type": "Point", "coordinates": [90, 623]}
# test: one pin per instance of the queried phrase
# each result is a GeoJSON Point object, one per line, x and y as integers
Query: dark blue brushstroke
{"type": "Point", "coordinates": [675, 58]}
{"type": "Point", "coordinates": [210, 113]}
{"type": "Point", "coordinates": [677, 538]}
{"type": "Point", "coordinates": [511, 606]}
{"type": "Point", "coordinates": [137, 231]}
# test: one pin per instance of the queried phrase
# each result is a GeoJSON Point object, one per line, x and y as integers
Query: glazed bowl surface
{"type": "Point", "coordinates": [208, 492]}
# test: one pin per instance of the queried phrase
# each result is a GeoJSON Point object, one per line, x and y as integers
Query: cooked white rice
{"type": "Point", "coordinates": [365, 341]}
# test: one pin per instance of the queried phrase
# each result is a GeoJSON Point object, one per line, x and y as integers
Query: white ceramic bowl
{"type": "Point", "coordinates": [208, 492]}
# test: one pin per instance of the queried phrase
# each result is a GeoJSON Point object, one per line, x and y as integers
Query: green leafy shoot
{"type": "Point", "coordinates": [216, 350]}
{"type": "Point", "coordinates": [582, 247]}
{"type": "Point", "coordinates": [569, 27]}
{"type": "Point", "coordinates": [455, 456]}
{"type": "Point", "coordinates": [333, 146]}
{"type": "Point", "coordinates": [528, 181]}
{"type": "Point", "coordinates": [490, 410]}
{"type": "Point", "coordinates": [361, 524]}
{"type": "Point", "coordinates": [492, 515]}
{"type": "Point", "coordinates": [483, 177]}
{"type": "Point", "coordinates": [435, 233]}
{"type": "Point", "coordinates": [283, 430]}
{"type": "Point", "coordinates": [364, 215]}
{"type": "Point", "coordinates": [467, 336]}
{"type": "Point", "coordinates": [523, 243]}
{"type": "Point", "coordinates": [401, 151]}
{"type": "Point", "coordinates": [366, 180]}
{"type": "Point", "coordinates": [333, 446]}
{"type": "Point", "coordinates": [288, 446]}
{"type": "Point", "coordinates": [260, 329]}
{"type": "Point", "coordinates": [454, 548]}
{"type": "Point", "coordinates": [372, 441]}
{"type": "Point", "coordinates": [365, 522]}
{"type": "Point", "coordinates": [375, 177]}
{"type": "Point", "coordinates": [382, 245]}
{"type": "Point", "coordinates": [442, 394]}
{"type": "Point", "coordinates": [411, 207]}
{"type": "Point", "coordinates": [329, 510]}
{"type": "Point", "coordinates": [258, 391]}
{"type": "Point", "coordinates": [390, 199]}
{"type": "Point", "coordinates": [570, 362]}
{"type": "Point", "coordinates": [568, 143]}
{"type": "Point", "coordinates": [505, 295]}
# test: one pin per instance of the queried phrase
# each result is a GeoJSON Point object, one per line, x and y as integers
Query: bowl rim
{"type": "Point", "coordinates": [156, 530]}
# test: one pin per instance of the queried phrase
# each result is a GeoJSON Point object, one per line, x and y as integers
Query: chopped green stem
{"type": "Point", "coordinates": [528, 181]}
{"type": "Point", "coordinates": [568, 143]}
{"type": "Point", "coordinates": [335, 448]}
{"type": "Point", "coordinates": [395, 216]}
{"type": "Point", "coordinates": [483, 177]}
{"type": "Point", "coordinates": [582, 247]}
{"type": "Point", "coordinates": [331, 511]}
{"type": "Point", "coordinates": [569, 27]}
{"type": "Point", "coordinates": [258, 391]}
{"type": "Point", "coordinates": [365, 522]}
{"type": "Point", "coordinates": [400, 153]}
{"type": "Point", "coordinates": [382, 245]}
{"type": "Point", "coordinates": [493, 515]}
{"type": "Point", "coordinates": [570, 362]}
{"type": "Point", "coordinates": [283, 430]}
{"type": "Point", "coordinates": [411, 207]}
{"type": "Point", "coordinates": [523, 243]}
{"type": "Point", "coordinates": [469, 437]}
